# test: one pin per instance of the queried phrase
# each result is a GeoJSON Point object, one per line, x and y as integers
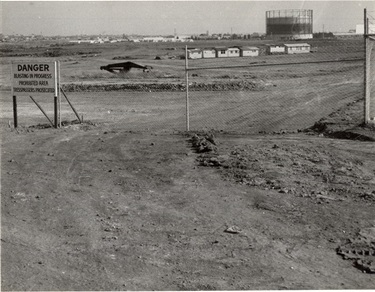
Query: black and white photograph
{"type": "Point", "coordinates": [187, 145]}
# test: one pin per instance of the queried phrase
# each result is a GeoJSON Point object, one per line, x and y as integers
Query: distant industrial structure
{"type": "Point", "coordinates": [294, 24]}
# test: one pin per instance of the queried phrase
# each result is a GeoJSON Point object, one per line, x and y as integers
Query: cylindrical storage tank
{"type": "Point", "coordinates": [289, 24]}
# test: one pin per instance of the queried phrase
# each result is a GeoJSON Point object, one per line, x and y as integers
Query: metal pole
{"type": "Point", "coordinates": [368, 74]}
{"type": "Point", "coordinates": [187, 90]}
{"type": "Point", "coordinates": [56, 97]}
{"type": "Point", "coordinates": [71, 105]}
{"type": "Point", "coordinates": [56, 111]}
{"type": "Point", "coordinates": [15, 118]}
{"type": "Point", "coordinates": [365, 77]}
{"type": "Point", "coordinates": [370, 97]}
{"type": "Point", "coordinates": [15, 111]}
{"type": "Point", "coordinates": [58, 90]}
{"type": "Point", "coordinates": [37, 104]}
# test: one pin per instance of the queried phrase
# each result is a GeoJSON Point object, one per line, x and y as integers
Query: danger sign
{"type": "Point", "coordinates": [34, 78]}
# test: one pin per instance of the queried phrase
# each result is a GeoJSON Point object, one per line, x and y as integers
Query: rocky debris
{"type": "Point", "coordinates": [74, 124]}
{"type": "Point", "coordinates": [289, 168]}
{"type": "Point", "coordinates": [366, 266]}
{"type": "Point", "coordinates": [368, 196]}
{"type": "Point", "coordinates": [242, 85]}
{"type": "Point", "coordinates": [139, 87]}
{"type": "Point", "coordinates": [204, 143]}
{"type": "Point", "coordinates": [124, 58]}
{"type": "Point", "coordinates": [233, 229]}
{"type": "Point", "coordinates": [41, 126]}
{"type": "Point", "coordinates": [361, 250]}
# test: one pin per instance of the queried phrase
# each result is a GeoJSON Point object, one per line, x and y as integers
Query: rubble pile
{"type": "Point", "coordinates": [361, 250]}
{"type": "Point", "coordinates": [292, 168]}
{"type": "Point", "coordinates": [161, 87]}
{"type": "Point", "coordinates": [204, 143]}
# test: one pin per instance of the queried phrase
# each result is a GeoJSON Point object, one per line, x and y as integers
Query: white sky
{"type": "Point", "coordinates": [163, 17]}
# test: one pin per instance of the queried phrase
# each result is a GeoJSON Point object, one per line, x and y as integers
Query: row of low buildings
{"type": "Point", "coordinates": [221, 52]}
{"type": "Point", "coordinates": [244, 51]}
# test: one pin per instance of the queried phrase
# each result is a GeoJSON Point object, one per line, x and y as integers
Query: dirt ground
{"type": "Point", "coordinates": [107, 205]}
{"type": "Point", "coordinates": [91, 208]}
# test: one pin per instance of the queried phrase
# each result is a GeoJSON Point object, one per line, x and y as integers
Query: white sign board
{"type": "Point", "coordinates": [34, 78]}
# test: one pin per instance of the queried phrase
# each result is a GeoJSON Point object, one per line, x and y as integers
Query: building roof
{"type": "Point", "coordinates": [220, 48]}
{"type": "Point", "coordinates": [249, 48]}
{"type": "Point", "coordinates": [297, 45]}
{"type": "Point", "coordinates": [275, 45]}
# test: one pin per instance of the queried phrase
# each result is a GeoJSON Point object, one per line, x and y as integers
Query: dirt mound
{"type": "Point", "coordinates": [204, 143]}
{"type": "Point", "coordinates": [361, 250]}
{"type": "Point", "coordinates": [160, 87]}
{"type": "Point", "coordinates": [75, 125]}
{"type": "Point", "coordinates": [123, 87]}
{"type": "Point", "coordinates": [291, 167]}
{"type": "Point", "coordinates": [345, 123]}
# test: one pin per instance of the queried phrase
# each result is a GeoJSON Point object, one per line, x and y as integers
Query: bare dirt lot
{"type": "Point", "coordinates": [269, 199]}
{"type": "Point", "coordinates": [102, 209]}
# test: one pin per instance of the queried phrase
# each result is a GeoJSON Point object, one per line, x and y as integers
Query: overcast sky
{"type": "Point", "coordinates": [163, 17]}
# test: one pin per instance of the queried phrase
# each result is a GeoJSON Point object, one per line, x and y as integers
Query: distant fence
{"type": "Point", "coordinates": [261, 94]}
{"type": "Point", "coordinates": [369, 70]}
{"type": "Point", "coordinates": [273, 93]}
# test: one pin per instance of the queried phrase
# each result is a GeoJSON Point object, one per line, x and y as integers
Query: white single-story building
{"type": "Point", "coordinates": [153, 39]}
{"type": "Point", "coordinates": [209, 53]}
{"type": "Point", "coordinates": [194, 53]}
{"type": "Point", "coordinates": [275, 49]}
{"type": "Point", "coordinates": [297, 48]}
{"type": "Point", "coordinates": [249, 51]}
{"type": "Point", "coordinates": [233, 52]}
{"type": "Point", "coordinates": [221, 52]}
